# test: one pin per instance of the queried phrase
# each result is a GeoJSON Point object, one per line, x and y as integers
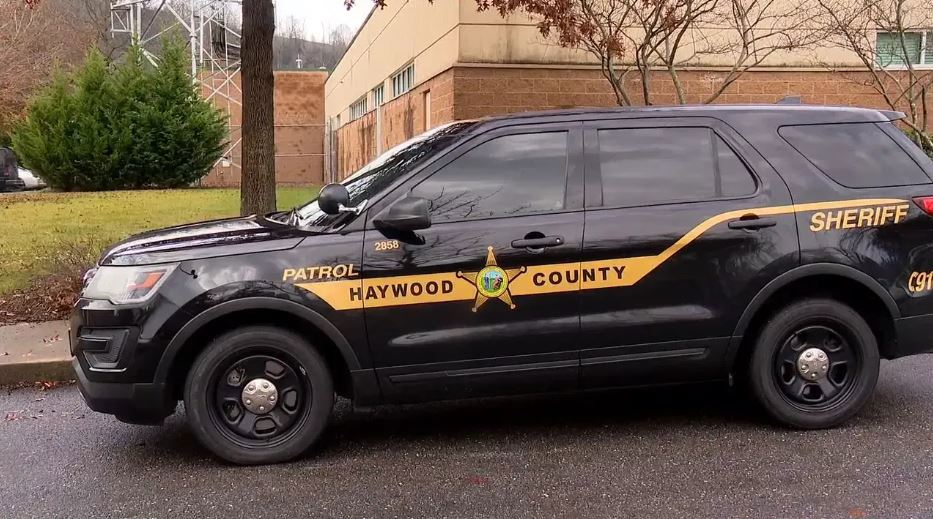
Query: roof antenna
{"type": "Point", "coordinates": [789, 100]}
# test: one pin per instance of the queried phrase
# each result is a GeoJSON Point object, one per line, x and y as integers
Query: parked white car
{"type": "Point", "coordinates": [31, 181]}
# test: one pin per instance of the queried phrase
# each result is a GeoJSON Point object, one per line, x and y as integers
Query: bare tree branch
{"type": "Point", "coordinates": [852, 26]}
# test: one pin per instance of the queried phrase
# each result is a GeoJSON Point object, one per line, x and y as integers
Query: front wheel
{"type": "Point", "coordinates": [815, 364]}
{"type": "Point", "coordinates": [258, 394]}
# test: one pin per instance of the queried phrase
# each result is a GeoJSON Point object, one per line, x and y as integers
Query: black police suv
{"type": "Point", "coordinates": [788, 246]}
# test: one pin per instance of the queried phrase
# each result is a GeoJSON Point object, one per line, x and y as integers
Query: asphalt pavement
{"type": "Point", "coordinates": [679, 452]}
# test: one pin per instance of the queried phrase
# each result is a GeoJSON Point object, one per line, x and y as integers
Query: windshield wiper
{"type": "Point", "coordinates": [293, 218]}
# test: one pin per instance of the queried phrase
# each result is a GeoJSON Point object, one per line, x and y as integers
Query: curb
{"type": "Point", "coordinates": [38, 371]}
{"type": "Point", "coordinates": [35, 352]}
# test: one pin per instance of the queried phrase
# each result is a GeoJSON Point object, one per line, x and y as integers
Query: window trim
{"type": "Point", "coordinates": [573, 195]}
{"type": "Point", "coordinates": [379, 102]}
{"type": "Point", "coordinates": [410, 69]}
{"type": "Point", "coordinates": [926, 40]}
{"type": "Point", "coordinates": [361, 102]}
{"type": "Point", "coordinates": [594, 167]}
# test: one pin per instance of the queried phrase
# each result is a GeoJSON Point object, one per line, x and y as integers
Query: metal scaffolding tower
{"type": "Point", "coordinates": [212, 30]}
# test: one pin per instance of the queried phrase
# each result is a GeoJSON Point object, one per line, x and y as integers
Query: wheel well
{"type": "Point", "coordinates": [853, 293]}
{"type": "Point", "coordinates": [195, 344]}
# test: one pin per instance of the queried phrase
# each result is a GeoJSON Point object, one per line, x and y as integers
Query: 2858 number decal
{"type": "Point", "coordinates": [387, 245]}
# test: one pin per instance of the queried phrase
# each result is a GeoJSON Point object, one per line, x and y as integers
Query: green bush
{"type": "Point", "coordinates": [127, 125]}
{"type": "Point", "coordinates": [923, 141]}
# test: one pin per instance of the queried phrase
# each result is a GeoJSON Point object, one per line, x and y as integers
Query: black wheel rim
{"type": "Point", "coordinates": [828, 389]}
{"type": "Point", "coordinates": [259, 429]}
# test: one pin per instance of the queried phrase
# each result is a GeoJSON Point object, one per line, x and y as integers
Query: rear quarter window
{"type": "Point", "coordinates": [856, 155]}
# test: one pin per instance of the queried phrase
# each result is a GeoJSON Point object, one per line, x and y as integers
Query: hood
{"type": "Point", "coordinates": [203, 240]}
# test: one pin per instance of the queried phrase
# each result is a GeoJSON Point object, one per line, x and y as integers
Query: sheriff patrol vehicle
{"type": "Point", "coordinates": [788, 246]}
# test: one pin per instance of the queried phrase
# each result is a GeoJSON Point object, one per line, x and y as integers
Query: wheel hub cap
{"type": "Point", "coordinates": [260, 396]}
{"type": "Point", "coordinates": [813, 364]}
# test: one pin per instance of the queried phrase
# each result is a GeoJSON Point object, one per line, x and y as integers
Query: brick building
{"type": "Point", "coordinates": [414, 65]}
{"type": "Point", "coordinates": [299, 128]}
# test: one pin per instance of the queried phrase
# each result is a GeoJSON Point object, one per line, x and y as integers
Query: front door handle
{"type": "Point", "coordinates": [538, 243]}
{"type": "Point", "coordinates": [752, 223]}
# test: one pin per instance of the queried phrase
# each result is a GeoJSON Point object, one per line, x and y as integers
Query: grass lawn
{"type": "Point", "coordinates": [37, 229]}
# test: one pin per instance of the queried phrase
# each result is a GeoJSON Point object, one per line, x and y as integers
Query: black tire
{"type": "Point", "coordinates": [226, 366]}
{"type": "Point", "coordinates": [778, 381]}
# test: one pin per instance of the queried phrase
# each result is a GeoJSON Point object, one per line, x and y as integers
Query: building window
{"type": "Point", "coordinates": [358, 109]}
{"type": "Point", "coordinates": [379, 95]}
{"type": "Point", "coordinates": [403, 80]}
{"type": "Point", "coordinates": [917, 49]}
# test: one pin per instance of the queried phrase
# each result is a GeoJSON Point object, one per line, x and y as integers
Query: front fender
{"type": "Point", "coordinates": [254, 303]}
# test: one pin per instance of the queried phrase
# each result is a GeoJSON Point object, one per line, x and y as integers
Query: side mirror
{"type": "Point", "coordinates": [408, 214]}
{"type": "Point", "coordinates": [332, 197]}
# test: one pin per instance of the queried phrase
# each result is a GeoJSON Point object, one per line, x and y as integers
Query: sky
{"type": "Point", "coordinates": [326, 14]}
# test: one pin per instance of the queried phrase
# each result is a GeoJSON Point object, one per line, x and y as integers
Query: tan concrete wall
{"type": "Point", "coordinates": [299, 128]}
{"type": "Point", "coordinates": [523, 44]}
{"type": "Point", "coordinates": [402, 32]}
{"type": "Point", "coordinates": [487, 37]}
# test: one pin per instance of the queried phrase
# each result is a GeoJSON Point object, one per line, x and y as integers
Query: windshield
{"type": "Point", "coordinates": [376, 176]}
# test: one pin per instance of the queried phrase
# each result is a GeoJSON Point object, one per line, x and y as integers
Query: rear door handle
{"type": "Point", "coordinates": [538, 243]}
{"type": "Point", "coordinates": [752, 224]}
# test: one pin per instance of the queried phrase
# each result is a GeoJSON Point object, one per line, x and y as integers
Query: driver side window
{"type": "Point", "coordinates": [506, 176]}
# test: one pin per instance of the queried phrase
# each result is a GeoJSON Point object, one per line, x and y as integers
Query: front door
{"type": "Point", "coordinates": [485, 301]}
{"type": "Point", "coordinates": [695, 222]}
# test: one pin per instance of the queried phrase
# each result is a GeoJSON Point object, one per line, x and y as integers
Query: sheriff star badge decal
{"type": "Point", "coordinates": [492, 282]}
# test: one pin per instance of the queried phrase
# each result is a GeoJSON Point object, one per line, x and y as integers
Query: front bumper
{"type": "Point", "coordinates": [146, 404]}
{"type": "Point", "coordinates": [115, 364]}
{"type": "Point", "coordinates": [12, 184]}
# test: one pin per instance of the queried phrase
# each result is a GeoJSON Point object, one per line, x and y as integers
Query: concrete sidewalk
{"type": "Point", "coordinates": [31, 352]}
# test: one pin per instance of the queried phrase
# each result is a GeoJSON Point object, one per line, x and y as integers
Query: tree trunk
{"type": "Point", "coordinates": [257, 183]}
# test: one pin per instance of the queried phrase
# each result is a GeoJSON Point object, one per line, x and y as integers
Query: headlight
{"type": "Point", "coordinates": [124, 285]}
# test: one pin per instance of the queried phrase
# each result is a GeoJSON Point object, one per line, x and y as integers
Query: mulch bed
{"type": "Point", "coordinates": [46, 299]}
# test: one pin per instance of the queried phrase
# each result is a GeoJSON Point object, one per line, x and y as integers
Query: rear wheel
{"type": "Point", "coordinates": [259, 394]}
{"type": "Point", "coordinates": [815, 364]}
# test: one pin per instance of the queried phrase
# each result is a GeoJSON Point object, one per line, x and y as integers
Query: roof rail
{"type": "Point", "coordinates": [789, 100]}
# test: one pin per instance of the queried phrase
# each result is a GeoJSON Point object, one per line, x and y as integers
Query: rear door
{"type": "Point", "coordinates": [685, 222]}
{"type": "Point", "coordinates": [481, 302]}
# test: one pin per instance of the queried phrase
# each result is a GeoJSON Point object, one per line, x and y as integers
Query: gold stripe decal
{"type": "Point", "coordinates": [502, 284]}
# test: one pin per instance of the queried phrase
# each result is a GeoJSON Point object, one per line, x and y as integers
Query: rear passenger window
{"type": "Point", "coordinates": [855, 155]}
{"type": "Point", "coordinates": [510, 175]}
{"type": "Point", "coordinates": [642, 166]}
